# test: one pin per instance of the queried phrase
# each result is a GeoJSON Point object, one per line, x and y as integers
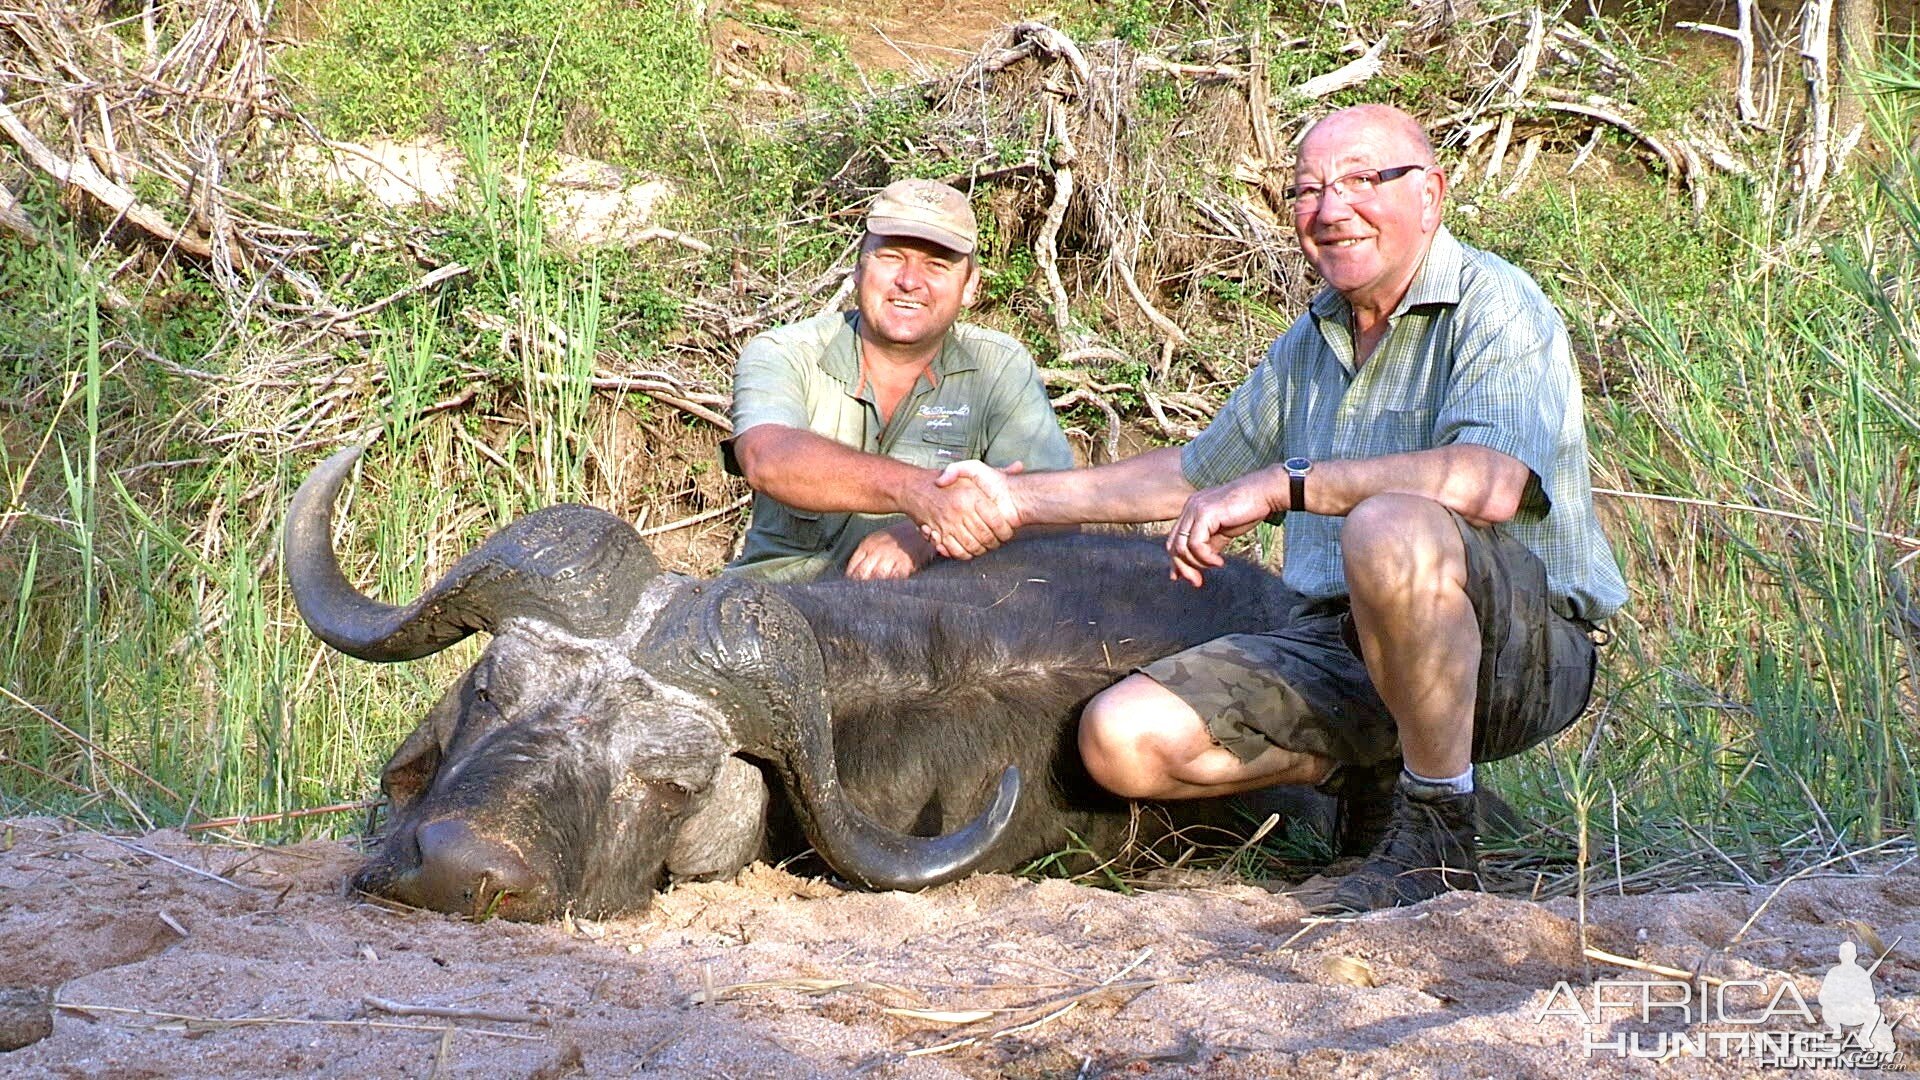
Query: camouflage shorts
{"type": "Point", "coordinates": [1303, 687]}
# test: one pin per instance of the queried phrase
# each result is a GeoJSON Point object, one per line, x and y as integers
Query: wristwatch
{"type": "Point", "coordinates": [1297, 470]}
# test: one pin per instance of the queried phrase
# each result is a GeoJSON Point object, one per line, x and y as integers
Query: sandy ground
{"type": "Point", "coordinates": [159, 972]}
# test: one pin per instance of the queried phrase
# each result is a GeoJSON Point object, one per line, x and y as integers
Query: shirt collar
{"type": "Point", "coordinates": [842, 356]}
{"type": "Point", "coordinates": [1436, 282]}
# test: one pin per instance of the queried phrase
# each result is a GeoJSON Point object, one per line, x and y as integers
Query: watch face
{"type": "Point", "coordinates": [1298, 465]}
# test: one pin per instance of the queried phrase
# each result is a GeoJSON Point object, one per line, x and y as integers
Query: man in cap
{"type": "Point", "coordinates": [1420, 430]}
{"type": "Point", "coordinates": [843, 422]}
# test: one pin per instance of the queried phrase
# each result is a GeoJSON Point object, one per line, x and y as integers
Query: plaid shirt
{"type": "Point", "coordinates": [1475, 353]}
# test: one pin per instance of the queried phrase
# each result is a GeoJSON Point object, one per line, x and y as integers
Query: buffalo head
{"type": "Point", "coordinates": [610, 735]}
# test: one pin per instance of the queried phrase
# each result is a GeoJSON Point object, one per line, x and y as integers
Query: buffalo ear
{"type": "Point", "coordinates": [728, 828]}
{"type": "Point", "coordinates": [410, 771]}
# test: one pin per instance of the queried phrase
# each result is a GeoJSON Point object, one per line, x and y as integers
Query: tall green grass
{"type": "Point", "coordinates": [1758, 707]}
{"type": "Point", "coordinates": [617, 78]}
{"type": "Point", "coordinates": [153, 670]}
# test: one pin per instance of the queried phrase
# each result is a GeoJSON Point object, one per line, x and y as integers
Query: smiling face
{"type": "Point", "coordinates": [1369, 251]}
{"type": "Point", "coordinates": [910, 291]}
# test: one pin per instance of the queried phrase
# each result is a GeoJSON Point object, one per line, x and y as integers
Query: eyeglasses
{"type": "Point", "coordinates": [1355, 187]}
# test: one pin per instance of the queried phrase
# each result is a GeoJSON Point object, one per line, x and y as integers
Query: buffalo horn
{"type": "Point", "coordinates": [782, 658]}
{"type": "Point", "coordinates": [573, 567]}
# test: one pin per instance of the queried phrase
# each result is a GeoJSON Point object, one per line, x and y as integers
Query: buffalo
{"type": "Point", "coordinates": [625, 728]}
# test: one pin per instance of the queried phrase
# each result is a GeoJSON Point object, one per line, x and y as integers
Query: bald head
{"type": "Point", "coordinates": [1367, 198]}
{"type": "Point", "coordinates": [1384, 123]}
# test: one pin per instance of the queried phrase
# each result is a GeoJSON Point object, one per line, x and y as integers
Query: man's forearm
{"type": "Point", "coordinates": [1480, 484]}
{"type": "Point", "coordinates": [1149, 487]}
{"type": "Point", "coordinates": [810, 472]}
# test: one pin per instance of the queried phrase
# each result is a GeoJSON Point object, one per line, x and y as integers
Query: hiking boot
{"type": "Point", "coordinates": [1365, 808]}
{"type": "Point", "coordinates": [1428, 849]}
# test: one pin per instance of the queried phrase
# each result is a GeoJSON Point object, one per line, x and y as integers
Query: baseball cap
{"type": "Point", "coordinates": [926, 209]}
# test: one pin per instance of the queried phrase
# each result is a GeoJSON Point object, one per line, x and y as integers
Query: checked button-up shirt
{"type": "Point", "coordinates": [1475, 353]}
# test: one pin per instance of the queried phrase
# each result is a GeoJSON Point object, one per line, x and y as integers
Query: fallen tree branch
{"type": "Point", "coordinates": [176, 863]}
{"type": "Point", "coordinates": [14, 219]}
{"type": "Point", "coordinates": [1527, 64]}
{"type": "Point", "coordinates": [438, 275]}
{"type": "Point", "coordinates": [1342, 78]}
{"type": "Point", "coordinates": [241, 821]}
{"type": "Point", "coordinates": [1084, 394]}
{"type": "Point", "coordinates": [442, 1012]}
{"type": "Point", "coordinates": [664, 394]}
{"type": "Point", "coordinates": [1766, 511]}
{"type": "Point", "coordinates": [1046, 249]}
{"type": "Point", "coordinates": [1674, 167]}
{"type": "Point", "coordinates": [86, 176]}
{"type": "Point", "coordinates": [719, 511]}
{"type": "Point", "coordinates": [1168, 328]}
{"type": "Point", "coordinates": [685, 240]}
{"type": "Point", "coordinates": [215, 1023]}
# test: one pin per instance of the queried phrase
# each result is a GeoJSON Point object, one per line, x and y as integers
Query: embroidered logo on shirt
{"type": "Point", "coordinates": [942, 416]}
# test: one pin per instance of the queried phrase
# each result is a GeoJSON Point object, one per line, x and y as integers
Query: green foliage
{"type": "Point", "coordinates": [1758, 695]}
{"type": "Point", "coordinates": [1010, 278]}
{"type": "Point", "coordinates": [618, 77]}
{"type": "Point", "coordinates": [1612, 233]}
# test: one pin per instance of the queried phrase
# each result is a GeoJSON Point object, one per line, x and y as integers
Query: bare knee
{"type": "Point", "coordinates": [1394, 542]}
{"type": "Point", "coordinates": [1124, 738]}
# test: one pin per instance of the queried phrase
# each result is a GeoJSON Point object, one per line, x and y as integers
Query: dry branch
{"type": "Point", "coordinates": [15, 220]}
{"type": "Point", "coordinates": [1342, 78]}
{"type": "Point", "coordinates": [91, 746]}
{"type": "Point", "coordinates": [241, 821]}
{"type": "Point", "coordinates": [1046, 248]}
{"type": "Point", "coordinates": [83, 175]}
{"type": "Point", "coordinates": [442, 1012]}
{"type": "Point", "coordinates": [176, 863]}
{"type": "Point", "coordinates": [216, 1023]}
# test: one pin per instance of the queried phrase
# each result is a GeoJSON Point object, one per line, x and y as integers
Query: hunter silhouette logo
{"type": "Point", "coordinates": [1846, 1001]}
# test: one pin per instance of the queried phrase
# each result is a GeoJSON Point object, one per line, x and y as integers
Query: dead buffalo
{"type": "Point", "coordinates": [626, 727]}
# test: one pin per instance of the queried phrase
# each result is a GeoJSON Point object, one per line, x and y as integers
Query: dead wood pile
{"type": "Point", "coordinates": [1140, 218]}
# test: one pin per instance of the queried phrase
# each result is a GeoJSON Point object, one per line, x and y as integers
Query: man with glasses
{"type": "Point", "coordinates": [1419, 434]}
{"type": "Point", "coordinates": [843, 422]}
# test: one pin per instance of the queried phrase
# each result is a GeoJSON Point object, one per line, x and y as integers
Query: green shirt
{"type": "Point", "coordinates": [985, 401]}
{"type": "Point", "coordinates": [1475, 353]}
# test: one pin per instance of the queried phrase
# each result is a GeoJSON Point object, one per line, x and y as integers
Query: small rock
{"type": "Point", "coordinates": [26, 1017]}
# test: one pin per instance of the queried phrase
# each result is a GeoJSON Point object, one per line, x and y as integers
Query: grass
{"type": "Point", "coordinates": [152, 668]}
{"type": "Point", "coordinates": [616, 78]}
{"type": "Point", "coordinates": [1759, 702]}
{"type": "Point", "coordinates": [1757, 709]}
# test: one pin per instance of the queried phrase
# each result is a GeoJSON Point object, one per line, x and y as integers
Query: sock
{"type": "Point", "coordinates": [1434, 787]}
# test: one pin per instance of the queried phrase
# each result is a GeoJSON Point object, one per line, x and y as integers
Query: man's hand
{"type": "Point", "coordinates": [892, 553]}
{"type": "Point", "coordinates": [986, 488]}
{"type": "Point", "coordinates": [1215, 516]}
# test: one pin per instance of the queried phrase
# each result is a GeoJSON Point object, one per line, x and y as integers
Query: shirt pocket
{"type": "Point", "coordinates": [1397, 431]}
{"type": "Point", "coordinates": [947, 445]}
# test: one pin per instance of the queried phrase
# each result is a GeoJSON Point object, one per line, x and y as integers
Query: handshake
{"type": "Point", "coordinates": [971, 508]}
{"type": "Point", "coordinates": [968, 510]}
